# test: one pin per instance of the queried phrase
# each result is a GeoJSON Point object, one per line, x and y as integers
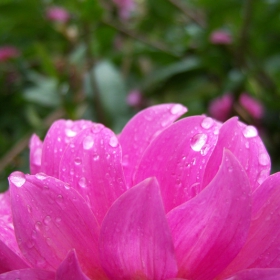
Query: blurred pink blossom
{"type": "Point", "coordinates": [125, 8]}
{"type": "Point", "coordinates": [165, 199]}
{"type": "Point", "coordinates": [220, 108]}
{"type": "Point", "coordinates": [253, 106]}
{"type": "Point", "coordinates": [57, 14]}
{"type": "Point", "coordinates": [220, 37]}
{"type": "Point", "coordinates": [134, 98]}
{"type": "Point", "coordinates": [8, 52]}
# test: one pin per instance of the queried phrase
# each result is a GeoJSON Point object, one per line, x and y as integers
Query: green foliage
{"type": "Point", "coordinates": [84, 67]}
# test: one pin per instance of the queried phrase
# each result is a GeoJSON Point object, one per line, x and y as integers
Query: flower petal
{"type": "Point", "coordinates": [57, 139]}
{"type": "Point", "coordinates": [10, 255]}
{"type": "Point", "coordinates": [257, 273]}
{"type": "Point", "coordinates": [92, 165]}
{"type": "Point", "coordinates": [209, 230]}
{"type": "Point", "coordinates": [135, 240]}
{"type": "Point", "coordinates": [70, 268]}
{"type": "Point", "coordinates": [28, 274]}
{"type": "Point", "coordinates": [35, 146]}
{"type": "Point", "coordinates": [261, 249]}
{"type": "Point", "coordinates": [177, 158]}
{"type": "Point", "coordinates": [243, 141]}
{"type": "Point", "coordinates": [50, 218]}
{"type": "Point", "coordinates": [142, 129]}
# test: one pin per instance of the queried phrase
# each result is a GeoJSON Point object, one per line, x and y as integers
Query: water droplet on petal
{"type": "Point", "coordinates": [113, 141]}
{"type": "Point", "coordinates": [70, 133]}
{"type": "Point", "coordinates": [58, 220]}
{"type": "Point", "coordinates": [262, 176]}
{"type": "Point", "coordinates": [205, 149]}
{"type": "Point", "coordinates": [96, 128]}
{"type": "Point", "coordinates": [30, 244]}
{"type": "Point", "coordinates": [77, 161]}
{"type": "Point", "coordinates": [67, 187]}
{"type": "Point", "coordinates": [175, 109]}
{"type": "Point", "coordinates": [96, 157]}
{"type": "Point", "coordinates": [41, 263]}
{"type": "Point", "coordinates": [29, 208]}
{"type": "Point", "coordinates": [264, 159]}
{"type": "Point", "coordinates": [250, 131]}
{"type": "Point", "coordinates": [59, 198]}
{"type": "Point", "coordinates": [18, 179]}
{"type": "Point", "coordinates": [38, 226]}
{"type": "Point", "coordinates": [198, 141]}
{"type": "Point", "coordinates": [82, 182]}
{"type": "Point", "coordinates": [88, 142]}
{"type": "Point", "coordinates": [41, 176]}
{"type": "Point", "coordinates": [47, 220]}
{"type": "Point", "coordinates": [207, 123]}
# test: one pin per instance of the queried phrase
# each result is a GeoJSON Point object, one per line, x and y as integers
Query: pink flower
{"type": "Point", "coordinates": [125, 8]}
{"type": "Point", "coordinates": [134, 98]}
{"type": "Point", "coordinates": [220, 108]}
{"type": "Point", "coordinates": [220, 37]}
{"type": "Point", "coordinates": [191, 199]}
{"type": "Point", "coordinates": [8, 52]}
{"type": "Point", "coordinates": [58, 14]}
{"type": "Point", "coordinates": [253, 106]}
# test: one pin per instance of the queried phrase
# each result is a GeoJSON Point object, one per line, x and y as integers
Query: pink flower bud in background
{"type": "Point", "coordinates": [220, 108]}
{"type": "Point", "coordinates": [220, 37]}
{"type": "Point", "coordinates": [57, 14]}
{"type": "Point", "coordinates": [253, 106]}
{"type": "Point", "coordinates": [8, 52]}
{"type": "Point", "coordinates": [134, 98]}
{"type": "Point", "coordinates": [125, 8]}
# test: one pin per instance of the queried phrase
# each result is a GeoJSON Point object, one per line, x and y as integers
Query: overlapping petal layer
{"type": "Point", "coordinates": [177, 158]}
{"type": "Point", "coordinates": [216, 223]}
{"type": "Point", "coordinates": [135, 241]}
{"type": "Point", "coordinates": [50, 218]}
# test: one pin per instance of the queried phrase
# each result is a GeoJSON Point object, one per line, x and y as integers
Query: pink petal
{"type": "Point", "coordinates": [243, 141]}
{"type": "Point", "coordinates": [50, 218]}
{"type": "Point", "coordinates": [28, 274]}
{"type": "Point", "coordinates": [257, 274]}
{"type": "Point", "coordinates": [135, 242]}
{"type": "Point", "coordinates": [92, 165]}
{"type": "Point", "coordinates": [35, 146]}
{"type": "Point", "coordinates": [177, 158]}
{"type": "Point", "coordinates": [10, 255]}
{"type": "Point", "coordinates": [70, 268]}
{"type": "Point", "coordinates": [262, 246]}
{"type": "Point", "coordinates": [209, 230]}
{"type": "Point", "coordinates": [141, 130]}
{"type": "Point", "coordinates": [57, 139]}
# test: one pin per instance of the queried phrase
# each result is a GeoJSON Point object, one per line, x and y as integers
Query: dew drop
{"type": "Point", "coordinates": [82, 182]}
{"type": "Point", "coordinates": [198, 141]}
{"type": "Point", "coordinates": [207, 123]}
{"type": "Point", "coordinates": [38, 226]}
{"type": "Point", "coordinates": [96, 157]}
{"type": "Point", "coordinates": [88, 142]}
{"type": "Point", "coordinates": [18, 179]}
{"type": "Point", "coordinates": [29, 208]}
{"type": "Point", "coordinates": [262, 176]}
{"type": "Point", "coordinates": [67, 187]}
{"type": "Point", "coordinates": [113, 141]}
{"type": "Point", "coordinates": [175, 109]}
{"type": "Point", "coordinates": [59, 198]}
{"type": "Point", "coordinates": [247, 145]}
{"type": "Point", "coordinates": [41, 176]}
{"type": "Point", "coordinates": [264, 159]}
{"type": "Point", "coordinates": [70, 133]}
{"type": "Point", "coordinates": [49, 241]}
{"type": "Point", "coordinates": [58, 220]}
{"type": "Point", "coordinates": [250, 131]}
{"type": "Point", "coordinates": [77, 161]}
{"type": "Point", "coordinates": [47, 220]}
{"type": "Point", "coordinates": [96, 128]}
{"type": "Point", "coordinates": [205, 149]}
{"type": "Point", "coordinates": [41, 263]}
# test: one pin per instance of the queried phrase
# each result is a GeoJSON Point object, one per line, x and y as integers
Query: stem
{"type": "Point", "coordinates": [178, 4]}
{"type": "Point", "coordinates": [156, 45]}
